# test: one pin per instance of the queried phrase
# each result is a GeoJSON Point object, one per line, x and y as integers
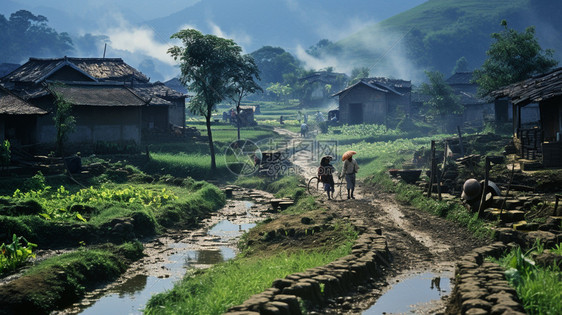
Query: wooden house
{"type": "Point", "coordinates": [18, 119]}
{"type": "Point", "coordinates": [476, 109]}
{"type": "Point", "coordinates": [372, 100]}
{"type": "Point", "coordinates": [114, 101]}
{"type": "Point", "coordinates": [544, 140]}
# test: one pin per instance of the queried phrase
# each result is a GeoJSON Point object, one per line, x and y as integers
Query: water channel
{"type": "Point", "coordinates": [415, 294]}
{"type": "Point", "coordinates": [171, 257]}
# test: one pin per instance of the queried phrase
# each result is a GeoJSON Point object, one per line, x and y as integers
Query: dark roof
{"type": "Point", "coordinates": [460, 78]}
{"type": "Point", "coordinates": [323, 76]}
{"type": "Point", "coordinates": [384, 85]}
{"type": "Point", "coordinates": [6, 68]}
{"type": "Point", "coordinates": [37, 70]}
{"type": "Point", "coordinates": [158, 93]}
{"type": "Point", "coordinates": [10, 104]}
{"type": "Point", "coordinates": [535, 89]}
{"type": "Point", "coordinates": [99, 94]}
{"type": "Point", "coordinates": [175, 84]}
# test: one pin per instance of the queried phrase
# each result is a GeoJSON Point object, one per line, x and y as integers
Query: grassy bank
{"type": "Point", "coordinates": [450, 210]}
{"type": "Point", "coordinates": [269, 252]}
{"type": "Point", "coordinates": [539, 287]}
{"type": "Point", "coordinates": [59, 281]}
{"type": "Point", "coordinates": [110, 212]}
{"type": "Point", "coordinates": [214, 291]}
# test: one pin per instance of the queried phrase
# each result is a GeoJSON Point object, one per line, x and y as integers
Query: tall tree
{"type": "Point", "coordinates": [25, 34]}
{"type": "Point", "coordinates": [208, 67]}
{"type": "Point", "coordinates": [513, 57]}
{"type": "Point", "coordinates": [443, 100]}
{"type": "Point", "coordinates": [244, 83]}
{"type": "Point", "coordinates": [274, 63]}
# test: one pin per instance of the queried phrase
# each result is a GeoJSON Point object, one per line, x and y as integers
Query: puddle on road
{"type": "Point", "coordinates": [413, 294]}
{"type": "Point", "coordinates": [131, 296]}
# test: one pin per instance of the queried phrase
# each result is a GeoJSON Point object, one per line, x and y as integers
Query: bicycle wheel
{"type": "Point", "coordinates": [315, 186]}
{"type": "Point", "coordinates": [339, 189]}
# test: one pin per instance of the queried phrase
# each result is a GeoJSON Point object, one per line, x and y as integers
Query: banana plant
{"type": "Point", "coordinates": [15, 254]}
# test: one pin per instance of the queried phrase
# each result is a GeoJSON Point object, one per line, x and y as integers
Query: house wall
{"type": "Point", "coordinates": [176, 113]}
{"type": "Point", "coordinates": [551, 113]}
{"type": "Point", "coordinates": [374, 105]}
{"type": "Point", "coordinates": [94, 123]}
{"type": "Point", "coordinates": [475, 113]}
{"type": "Point", "coordinates": [155, 118]}
{"type": "Point", "coordinates": [18, 129]}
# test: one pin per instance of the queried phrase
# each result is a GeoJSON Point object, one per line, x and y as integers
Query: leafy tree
{"type": "Point", "coordinates": [281, 91]}
{"type": "Point", "coordinates": [274, 63]}
{"type": "Point", "coordinates": [209, 65]}
{"type": "Point", "coordinates": [243, 83]}
{"type": "Point", "coordinates": [25, 34]}
{"type": "Point", "coordinates": [443, 100]}
{"type": "Point", "coordinates": [357, 74]}
{"type": "Point", "coordinates": [461, 65]}
{"type": "Point", "coordinates": [64, 121]}
{"type": "Point", "coordinates": [513, 57]}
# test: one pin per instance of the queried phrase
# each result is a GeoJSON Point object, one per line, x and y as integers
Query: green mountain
{"type": "Point", "coordinates": [435, 34]}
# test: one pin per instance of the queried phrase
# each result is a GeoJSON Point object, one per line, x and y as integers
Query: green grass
{"type": "Point", "coordinates": [150, 206]}
{"type": "Point", "coordinates": [450, 210]}
{"type": "Point", "coordinates": [62, 279]}
{"type": "Point", "coordinates": [378, 156]}
{"type": "Point", "coordinates": [538, 287]}
{"type": "Point", "coordinates": [183, 165]}
{"type": "Point", "coordinates": [231, 283]}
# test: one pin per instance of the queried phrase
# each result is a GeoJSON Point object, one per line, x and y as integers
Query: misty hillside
{"type": "Point", "coordinates": [435, 34]}
{"type": "Point", "coordinates": [257, 23]}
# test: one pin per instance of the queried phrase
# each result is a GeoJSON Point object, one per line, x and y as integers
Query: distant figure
{"type": "Point", "coordinates": [305, 118]}
{"type": "Point", "coordinates": [281, 120]}
{"type": "Point", "coordinates": [304, 130]}
{"type": "Point", "coordinates": [320, 117]}
{"type": "Point", "coordinates": [225, 116]}
{"type": "Point", "coordinates": [325, 175]}
{"type": "Point", "coordinates": [349, 170]}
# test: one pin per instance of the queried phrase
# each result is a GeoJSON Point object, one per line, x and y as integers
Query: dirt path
{"type": "Point", "coordinates": [418, 241]}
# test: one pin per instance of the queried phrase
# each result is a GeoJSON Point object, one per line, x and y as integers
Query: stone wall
{"type": "Point", "coordinates": [481, 287]}
{"type": "Point", "coordinates": [314, 286]}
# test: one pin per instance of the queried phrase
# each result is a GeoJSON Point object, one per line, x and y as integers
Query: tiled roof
{"type": "Point", "coordinates": [460, 78]}
{"type": "Point", "coordinates": [384, 85]}
{"type": "Point", "coordinates": [102, 69]}
{"type": "Point", "coordinates": [11, 104]}
{"type": "Point", "coordinates": [535, 89]}
{"type": "Point", "coordinates": [99, 95]}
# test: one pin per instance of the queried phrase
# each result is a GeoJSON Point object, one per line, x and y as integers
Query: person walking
{"type": "Point", "coordinates": [325, 175]}
{"type": "Point", "coordinates": [304, 130]}
{"type": "Point", "coordinates": [350, 168]}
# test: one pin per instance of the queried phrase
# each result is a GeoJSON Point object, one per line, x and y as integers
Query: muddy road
{"type": "Point", "coordinates": [420, 243]}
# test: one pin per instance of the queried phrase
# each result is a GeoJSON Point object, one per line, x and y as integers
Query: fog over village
{"type": "Point", "coordinates": [280, 157]}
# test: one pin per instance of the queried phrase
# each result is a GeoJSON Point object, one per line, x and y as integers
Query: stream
{"type": "Point", "coordinates": [169, 257]}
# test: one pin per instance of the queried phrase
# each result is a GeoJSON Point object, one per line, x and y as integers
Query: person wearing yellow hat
{"type": "Point", "coordinates": [350, 168]}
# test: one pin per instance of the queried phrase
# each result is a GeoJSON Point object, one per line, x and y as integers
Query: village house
{"type": "Point", "coordinates": [476, 109]}
{"type": "Point", "coordinates": [18, 119]}
{"type": "Point", "coordinates": [374, 100]}
{"type": "Point", "coordinates": [544, 140]}
{"type": "Point", "coordinates": [113, 101]}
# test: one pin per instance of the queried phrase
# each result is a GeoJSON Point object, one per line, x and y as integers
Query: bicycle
{"type": "Point", "coordinates": [316, 188]}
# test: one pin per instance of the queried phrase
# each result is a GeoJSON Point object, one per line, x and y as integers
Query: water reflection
{"type": "Point", "coordinates": [131, 286]}
{"type": "Point", "coordinates": [414, 291]}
